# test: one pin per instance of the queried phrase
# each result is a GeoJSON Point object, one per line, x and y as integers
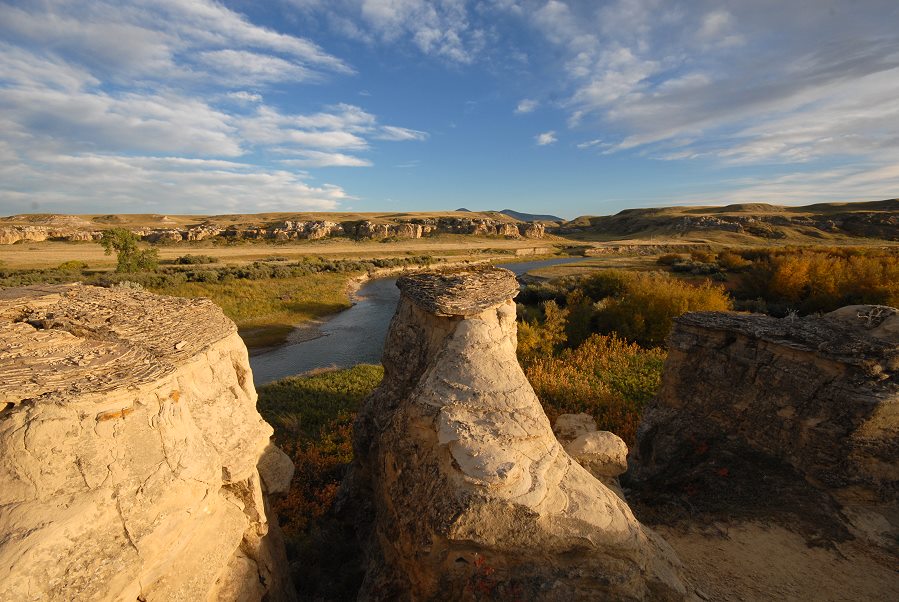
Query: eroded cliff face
{"type": "Point", "coordinates": [821, 393]}
{"type": "Point", "coordinates": [750, 393]}
{"type": "Point", "coordinates": [459, 486]}
{"type": "Point", "coordinates": [72, 228]}
{"type": "Point", "coordinates": [135, 464]}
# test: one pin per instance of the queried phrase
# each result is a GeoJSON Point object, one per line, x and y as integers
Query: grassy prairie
{"type": "Point", "coordinates": [266, 311]}
{"type": "Point", "coordinates": [41, 255]}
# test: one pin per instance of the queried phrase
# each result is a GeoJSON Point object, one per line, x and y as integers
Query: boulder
{"type": "Point", "coordinates": [458, 486]}
{"type": "Point", "coordinates": [130, 442]}
{"type": "Point", "coordinates": [602, 453]}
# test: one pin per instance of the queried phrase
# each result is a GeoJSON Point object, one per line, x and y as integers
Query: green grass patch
{"type": "Point", "coordinates": [266, 310]}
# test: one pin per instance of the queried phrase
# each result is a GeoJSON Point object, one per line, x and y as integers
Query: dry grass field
{"type": "Point", "coordinates": [47, 254]}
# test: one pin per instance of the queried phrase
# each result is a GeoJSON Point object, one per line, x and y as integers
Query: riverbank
{"type": "Point", "coordinates": [356, 336]}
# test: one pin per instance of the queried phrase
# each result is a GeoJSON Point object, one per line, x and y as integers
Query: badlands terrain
{"type": "Point", "coordinates": [603, 429]}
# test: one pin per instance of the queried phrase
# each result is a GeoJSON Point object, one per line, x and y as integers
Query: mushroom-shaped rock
{"type": "Point", "coordinates": [458, 483]}
{"type": "Point", "coordinates": [130, 440]}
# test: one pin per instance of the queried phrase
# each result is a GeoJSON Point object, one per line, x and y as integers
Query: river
{"type": "Point", "coordinates": [353, 336]}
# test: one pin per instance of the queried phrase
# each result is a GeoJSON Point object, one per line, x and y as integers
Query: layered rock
{"type": "Point", "coordinates": [135, 464]}
{"type": "Point", "coordinates": [74, 229]}
{"type": "Point", "coordinates": [459, 486]}
{"type": "Point", "coordinates": [819, 393]}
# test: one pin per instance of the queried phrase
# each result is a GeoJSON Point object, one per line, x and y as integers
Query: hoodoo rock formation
{"type": "Point", "coordinates": [135, 464]}
{"type": "Point", "coordinates": [818, 394]}
{"type": "Point", "coordinates": [459, 486]}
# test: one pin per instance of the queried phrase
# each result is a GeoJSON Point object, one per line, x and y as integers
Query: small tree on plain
{"type": "Point", "coordinates": [130, 259]}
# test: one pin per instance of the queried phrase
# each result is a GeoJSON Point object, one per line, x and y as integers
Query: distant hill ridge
{"type": "Point", "coordinates": [746, 222]}
{"type": "Point", "coordinates": [524, 217]}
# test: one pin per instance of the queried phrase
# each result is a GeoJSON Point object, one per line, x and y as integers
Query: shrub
{"type": "Point", "coordinates": [671, 259]}
{"type": "Point", "coordinates": [313, 416]}
{"type": "Point", "coordinates": [129, 258]}
{"type": "Point", "coordinates": [732, 262]}
{"type": "Point", "coordinates": [72, 266]}
{"type": "Point", "coordinates": [195, 259]}
{"type": "Point", "coordinates": [606, 283]}
{"type": "Point", "coordinates": [605, 377]}
{"type": "Point", "coordinates": [703, 256]}
{"type": "Point", "coordinates": [541, 339]}
{"type": "Point", "coordinates": [645, 311]}
{"type": "Point", "coordinates": [822, 279]}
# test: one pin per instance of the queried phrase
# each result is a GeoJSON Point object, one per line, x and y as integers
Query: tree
{"type": "Point", "coordinates": [129, 258]}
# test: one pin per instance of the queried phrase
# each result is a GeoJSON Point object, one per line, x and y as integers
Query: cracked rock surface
{"type": "Point", "coordinates": [459, 487]}
{"type": "Point", "coordinates": [817, 397]}
{"type": "Point", "coordinates": [130, 441]}
{"type": "Point", "coordinates": [820, 393]}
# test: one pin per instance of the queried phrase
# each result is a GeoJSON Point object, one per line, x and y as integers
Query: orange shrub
{"type": "Point", "coordinates": [646, 310]}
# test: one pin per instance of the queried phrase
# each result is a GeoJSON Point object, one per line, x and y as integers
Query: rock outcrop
{"type": "Point", "coordinates": [72, 228]}
{"type": "Point", "coordinates": [459, 487]}
{"type": "Point", "coordinates": [135, 464]}
{"type": "Point", "coordinates": [819, 395]}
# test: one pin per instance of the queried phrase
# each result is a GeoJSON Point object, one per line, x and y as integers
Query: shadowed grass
{"type": "Point", "coordinates": [313, 420]}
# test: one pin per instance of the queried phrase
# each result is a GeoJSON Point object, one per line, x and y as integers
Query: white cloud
{"type": "Point", "coordinates": [390, 132]}
{"type": "Point", "coordinates": [94, 93]}
{"type": "Point", "coordinates": [138, 184]}
{"type": "Point", "coordinates": [596, 142]}
{"type": "Point", "coordinates": [526, 106]}
{"type": "Point", "coordinates": [244, 96]}
{"type": "Point", "coordinates": [124, 39]}
{"type": "Point", "coordinates": [439, 28]}
{"type": "Point", "coordinates": [860, 182]}
{"type": "Point", "coordinates": [546, 138]}
{"type": "Point", "coordinates": [743, 83]}
{"type": "Point", "coordinates": [249, 68]}
{"type": "Point", "coordinates": [325, 159]}
{"type": "Point", "coordinates": [73, 120]}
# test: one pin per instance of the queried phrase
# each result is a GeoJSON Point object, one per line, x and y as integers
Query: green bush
{"type": "Point", "coordinates": [605, 377]}
{"type": "Point", "coordinates": [129, 258]}
{"type": "Point", "coordinates": [195, 259]}
{"type": "Point", "coordinates": [72, 266]}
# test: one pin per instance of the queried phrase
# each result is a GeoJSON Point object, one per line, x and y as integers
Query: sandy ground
{"type": "Point", "coordinates": [752, 562]}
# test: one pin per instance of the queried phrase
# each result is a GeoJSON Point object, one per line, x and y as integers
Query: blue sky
{"type": "Point", "coordinates": [571, 108]}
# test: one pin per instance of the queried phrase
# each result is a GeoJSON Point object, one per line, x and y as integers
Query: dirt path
{"type": "Point", "coordinates": [752, 562]}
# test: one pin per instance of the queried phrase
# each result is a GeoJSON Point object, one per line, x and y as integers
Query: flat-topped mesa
{"type": "Point", "coordinates": [135, 464]}
{"type": "Point", "coordinates": [458, 485]}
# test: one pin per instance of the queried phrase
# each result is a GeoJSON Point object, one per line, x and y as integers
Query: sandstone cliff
{"type": "Point", "coordinates": [459, 487]}
{"type": "Point", "coordinates": [816, 396]}
{"type": "Point", "coordinates": [23, 228]}
{"type": "Point", "coordinates": [135, 465]}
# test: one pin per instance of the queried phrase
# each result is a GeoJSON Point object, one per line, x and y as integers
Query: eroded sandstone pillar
{"type": "Point", "coordinates": [459, 486]}
{"type": "Point", "coordinates": [129, 440]}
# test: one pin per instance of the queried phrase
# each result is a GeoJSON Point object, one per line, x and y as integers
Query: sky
{"type": "Point", "coordinates": [544, 106]}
